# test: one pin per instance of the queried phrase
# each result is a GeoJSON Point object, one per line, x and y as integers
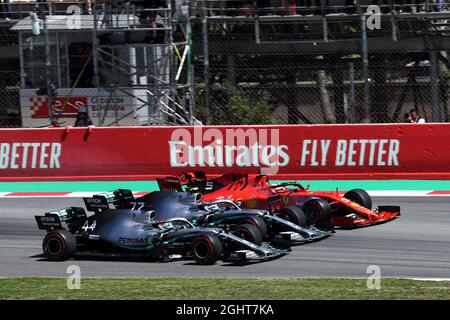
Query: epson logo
{"type": "Point", "coordinates": [93, 201]}
{"type": "Point", "coordinates": [48, 219]}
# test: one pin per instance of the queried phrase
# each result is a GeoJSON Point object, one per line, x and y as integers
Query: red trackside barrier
{"type": "Point", "coordinates": [385, 151]}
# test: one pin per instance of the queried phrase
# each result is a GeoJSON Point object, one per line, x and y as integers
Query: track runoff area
{"type": "Point", "coordinates": [411, 254]}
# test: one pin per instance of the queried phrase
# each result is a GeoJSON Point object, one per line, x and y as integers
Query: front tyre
{"type": "Point", "coordinates": [257, 222]}
{"type": "Point", "coordinates": [206, 250]}
{"type": "Point", "coordinates": [359, 196]}
{"type": "Point", "coordinates": [294, 214]}
{"type": "Point", "coordinates": [248, 232]}
{"type": "Point", "coordinates": [318, 213]}
{"type": "Point", "coordinates": [59, 245]}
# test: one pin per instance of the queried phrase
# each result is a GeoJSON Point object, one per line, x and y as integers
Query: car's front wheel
{"type": "Point", "coordinates": [318, 213]}
{"type": "Point", "coordinates": [257, 222]}
{"type": "Point", "coordinates": [206, 250]}
{"type": "Point", "coordinates": [359, 196]}
{"type": "Point", "coordinates": [249, 232]}
{"type": "Point", "coordinates": [293, 214]}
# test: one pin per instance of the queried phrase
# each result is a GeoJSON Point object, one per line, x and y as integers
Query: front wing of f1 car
{"type": "Point", "coordinates": [285, 229]}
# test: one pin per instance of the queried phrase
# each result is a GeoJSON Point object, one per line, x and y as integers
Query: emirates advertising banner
{"type": "Point", "coordinates": [391, 151]}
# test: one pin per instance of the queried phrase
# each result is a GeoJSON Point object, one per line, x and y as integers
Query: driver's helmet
{"type": "Point", "coordinates": [168, 225]}
{"type": "Point", "coordinates": [212, 208]}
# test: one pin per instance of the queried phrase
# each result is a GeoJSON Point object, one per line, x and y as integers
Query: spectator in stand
{"type": "Point", "coordinates": [413, 6]}
{"type": "Point", "coordinates": [435, 5]}
{"type": "Point", "coordinates": [292, 7]}
{"type": "Point", "coordinates": [417, 5]}
{"type": "Point", "coordinates": [407, 118]}
{"type": "Point", "coordinates": [82, 119]}
{"type": "Point", "coordinates": [88, 6]}
{"type": "Point", "coordinates": [5, 9]}
{"type": "Point", "coordinates": [416, 117]}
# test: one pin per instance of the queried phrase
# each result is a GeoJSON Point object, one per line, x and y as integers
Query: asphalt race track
{"type": "Point", "coordinates": [417, 245]}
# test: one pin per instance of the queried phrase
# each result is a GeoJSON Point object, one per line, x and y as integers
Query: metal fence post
{"type": "Point", "coordinates": [351, 76]}
{"type": "Point", "coordinates": [435, 105]}
{"type": "Point", "coordinates": [47, 69]}
{"type": "Point", "coordinates": [190, 66]}
{"type": "Point", "coordinates": [206, 63]}
{"type": "Point", "coordinates": [365, 61]}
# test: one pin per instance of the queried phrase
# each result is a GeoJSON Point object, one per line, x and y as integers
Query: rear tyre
{"type": "Point", "coordinates": [318, 213]}
{"type": "Point", "coordinates": [248, 232]}
{"type": "Point", "coordinates": [258, 222]}
{"type": "Point", "coordinates": [294, 214]}
{"type": "Point", "coordinates": [59, 245]}
{"type": "Point", "coordinates": [206, 250]}
{"type": "Point", "coordinates": [359, 196]}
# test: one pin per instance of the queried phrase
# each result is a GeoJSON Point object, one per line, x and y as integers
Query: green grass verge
{"type": "Point", "coordinates": [221, 289]}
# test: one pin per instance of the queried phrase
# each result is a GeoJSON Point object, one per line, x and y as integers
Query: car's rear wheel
{"type": "Point", "coordinates": [206, 250]}
{"type": "Point", "coordinates": [258, 222]}
{"type": "Point", "coordinates": [318, 213]}
{"type": "Point", "coordinates": [359, 196]}
{"type": "Point", "coordinates": [59, 245]}
{"type": "Point", "coordinates": [248, 232]}
{"type": "Point", "coordinates": [294, 214]}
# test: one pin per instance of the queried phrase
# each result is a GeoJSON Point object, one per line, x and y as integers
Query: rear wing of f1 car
{"type": "Point", "coordinates": [70, 218]}
{"type": "Point", "coordinates": [169, 184]}
{"type": "Point", "coordinates": [101, 201]}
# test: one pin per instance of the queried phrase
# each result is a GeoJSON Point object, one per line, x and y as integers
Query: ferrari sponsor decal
{"type": "Point", "coordinates": [230, 197]}
{"type": "Point", "coordinates": [251, 203]}
{"type": "Point", "coordinates": [30, 155]}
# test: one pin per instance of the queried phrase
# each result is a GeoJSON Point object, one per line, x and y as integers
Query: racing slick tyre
{"type": "Point", "coordinates": [294, 214]}
{"type": "Point", "coordinates": [59, 245]}
{"type": "Point", "coordinates": [258, 222]}
{"type": "Point", "coordinates": [318, 213]}
{"type": "Point", "coordinates": [359, 196]}
{"type": "Point", "coordinates": [206, 250]}
{"type": "Point", "coordinates": [249, 232]}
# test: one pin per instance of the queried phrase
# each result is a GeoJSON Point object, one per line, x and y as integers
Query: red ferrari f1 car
{"type": "Point", "coordinates": [324, 210]}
